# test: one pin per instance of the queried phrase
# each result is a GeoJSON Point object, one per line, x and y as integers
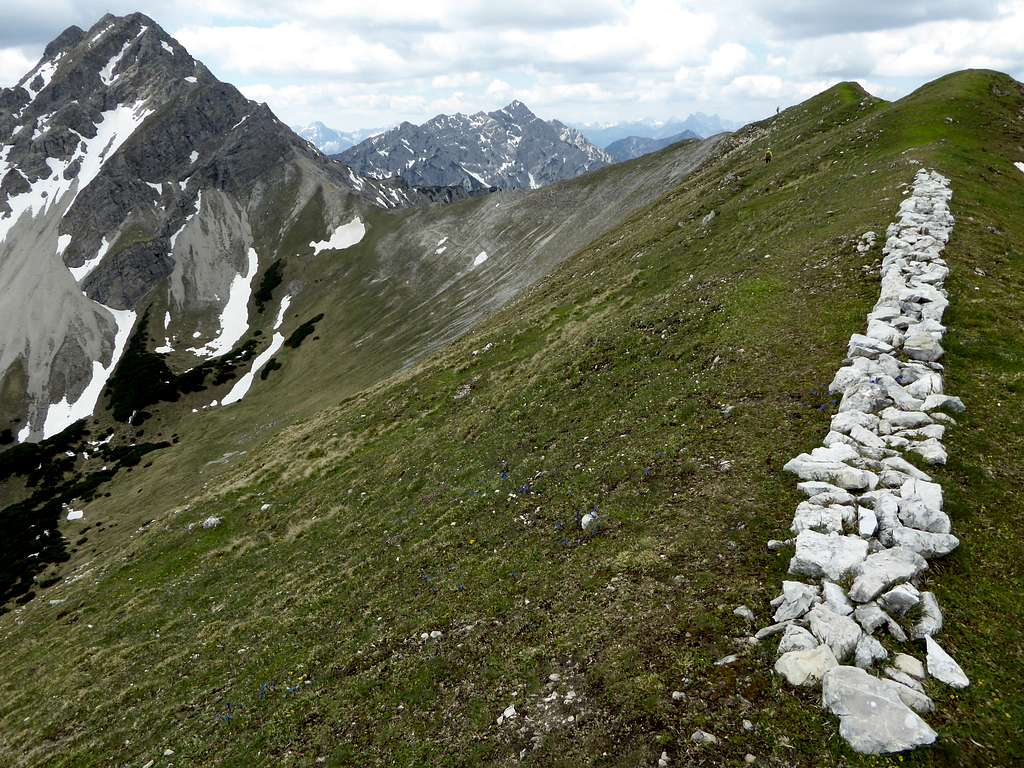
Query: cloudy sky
{"type": "Point", "coordinates": [365, 64]}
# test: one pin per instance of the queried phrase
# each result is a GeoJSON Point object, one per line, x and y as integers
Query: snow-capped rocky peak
{"type": "Point", "coordinates": [111, 146]}
{"type": "Point", "coordinates": [506, 149]}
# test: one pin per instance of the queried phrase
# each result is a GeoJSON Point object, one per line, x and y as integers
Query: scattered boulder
{"type": "Point", "coordinates": [909, 665]}
{"type": "Point", "coordinates": [797, 599]}
{"type": "Point", "coordinates": [873, 718]}
{"type": "Point", "coordinates": [827, 556]}
{"type": "Point", "coordinates": [806, 667]}
{"type": "Point", "coordinates": [930, 622]}
{"type": "Point", "coordinates": [703, 737]}
{"type": "Point", "coordinates": [885, 569]}
{"type": "Point", "coordinates": [744, 613]}
{"type": "Point", "coordinates": [942, 667]}
{"type": "Point", "coordinates": [796, 638]}
{"type": "Point", "coordinates": [900, 599]}
{"type": "Point", "coordinates": [926, 544]}
{"type": "Point", "coordinates": [840, 633]}
{"type": "Point", "coordinates": [868, 652]}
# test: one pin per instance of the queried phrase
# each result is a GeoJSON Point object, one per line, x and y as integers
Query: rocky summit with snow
{"type": "Point", "coordinates": [311, 463]}
{"type": "Point", "coordinates": [510, 148]}
{"type": "Point", "coordinates": [127, 168]}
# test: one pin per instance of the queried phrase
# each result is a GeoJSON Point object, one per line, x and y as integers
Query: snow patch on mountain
{"type": "Point", "coordinates": [62, 415]}
{"type": "Point", "coordinates": [242, 386]}
{"type": "Point", "coordinates": [234, 318]}
{"type": "Point", "coordinates": [480, 258]}
{"type": "Point", "coordinates": [107, 73]}
{"type": "Point", "coordinates": [199, 205]}
{"type": "Point", "coordinates": [1020, 167]}
{"type": "Point", "coordinates": [343, 237]}
{"type": "Point", "coordinates": [44, 71]}
{"type": "Point", "coordinates": [80, 273]}
{"type": "Point", "coordinates": [113, 129]}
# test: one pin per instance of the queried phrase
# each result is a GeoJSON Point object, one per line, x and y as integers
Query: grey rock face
{"type": "Point", "coordinates": [510, 148]}
{"type": "Point", "coordinates": [108, 147]}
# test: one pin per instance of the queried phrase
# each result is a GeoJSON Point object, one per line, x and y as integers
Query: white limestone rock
{"type": "Point", "coordinates": [926, 544]}
{"type": "Point", "coordinates": [845, 421]}
{"type": "Point", "coordinates": [865, 346]}
{"type": "Point", "coordinates": [797, 599]}
{"type": "Point", "coordinates": [744, 613]}
{"type": "Point", "coordinates": [834, 472]}
{"type": "Point", "coordinates": [806, 667]}
{"type": "Point", "coordinates": [796, 639]}
{"type": "Point", "coordinates": [869, 652]}
{"type": "Point", "coordinates": [931, 450]}
{"type": "Point", "coordinates": [812, 488]}
{"type": "Point", "coordinates": [840, 633]}
{"type": "Point", "coordinates": [930, 493]}
{"type": "Point", "coordinates": [827, 556]}
{"type": "Point", "coordinates": [813, 517]}
{"type": "Point", "coordinates": [903, 678]}
{"type": "Point", "coordinates": [904, 467]}
{"type": "Point", "coordinates": [836, 599]}
{"type": "Point", "coordinates": [905, 419]}
{"type": "Point", "coordinates": [837, 497]}
{"type": "Point", "coordinates": [930, 621]}
{"type": "Point", "coordinates": [882, 570]}
{"type": "Point", "coordinates": [923, 346]}
{"type": "Point", "coordinates": [940, 402]}
{"type": "Point", "coordinates": [909, 665]}
{"type": "Point", "coordinates": [873, 718]}
{"type": "Point", "coordinates": [865, 397]}
{"type": "Point", "coordinates": [915, 513]}
{"type": "Point", "coordinates": [900, 599]}
{"type": "Point", "coordinates": [913, 698]}
{"type": "Point", "coordinates": [871, 617]}
{"type": "Point", "coordinates": [942, 667]}
{"type": "Point", "coordinates": [867, 522]}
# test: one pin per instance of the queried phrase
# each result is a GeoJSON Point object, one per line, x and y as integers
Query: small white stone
{"type": "Point", "coordinates": [942, 667]}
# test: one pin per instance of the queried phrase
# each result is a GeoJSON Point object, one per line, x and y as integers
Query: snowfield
{"type": "Point", "coordinates": [234, 318]}
{"type": "Point", "coordinates": [242, 386]}
{"type": "Point", "coordinates": [62, 415]}
{"type": "Point", "coordinates": [343, 237]}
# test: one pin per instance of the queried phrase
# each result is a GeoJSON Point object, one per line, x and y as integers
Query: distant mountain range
{"type": "Point", "coordinates": [633, 147]}
{"type": "Point", "coordinates": [458, 153]}
{"type": "Point", "coordinates": [330, 141]}
{"type": "Point", "coordinates": [604, 134]}
{"type": "Point", "coordinates": [510, 148]}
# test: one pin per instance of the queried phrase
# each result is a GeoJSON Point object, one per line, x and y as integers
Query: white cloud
{"type": "Point", "coordinates": [356, 64]}
{"type": "Point", "coordinates": [14, 63]}
{"type": "Point", "coordinates": [499, 89]}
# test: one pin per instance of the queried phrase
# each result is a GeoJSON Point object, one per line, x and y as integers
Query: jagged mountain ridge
{"type": "Point", "coordinates": [124, 165]}
{"type": "Point", "coordinates": [633, 147]}
{"type": "Point", "coordinates": [331, 141]}
{"type": "Point", "coordinates": [510, 148]}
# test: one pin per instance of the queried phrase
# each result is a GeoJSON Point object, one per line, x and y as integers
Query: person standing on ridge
{"type": "Point", "coordinates": [767, 156]}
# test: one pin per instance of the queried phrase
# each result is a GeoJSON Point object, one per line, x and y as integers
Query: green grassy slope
{"type": "Point", "coordinates": [662, 376]}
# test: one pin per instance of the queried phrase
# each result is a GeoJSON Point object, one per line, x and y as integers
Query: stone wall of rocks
{"type": "Point", "coordinates": [872, 519]}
